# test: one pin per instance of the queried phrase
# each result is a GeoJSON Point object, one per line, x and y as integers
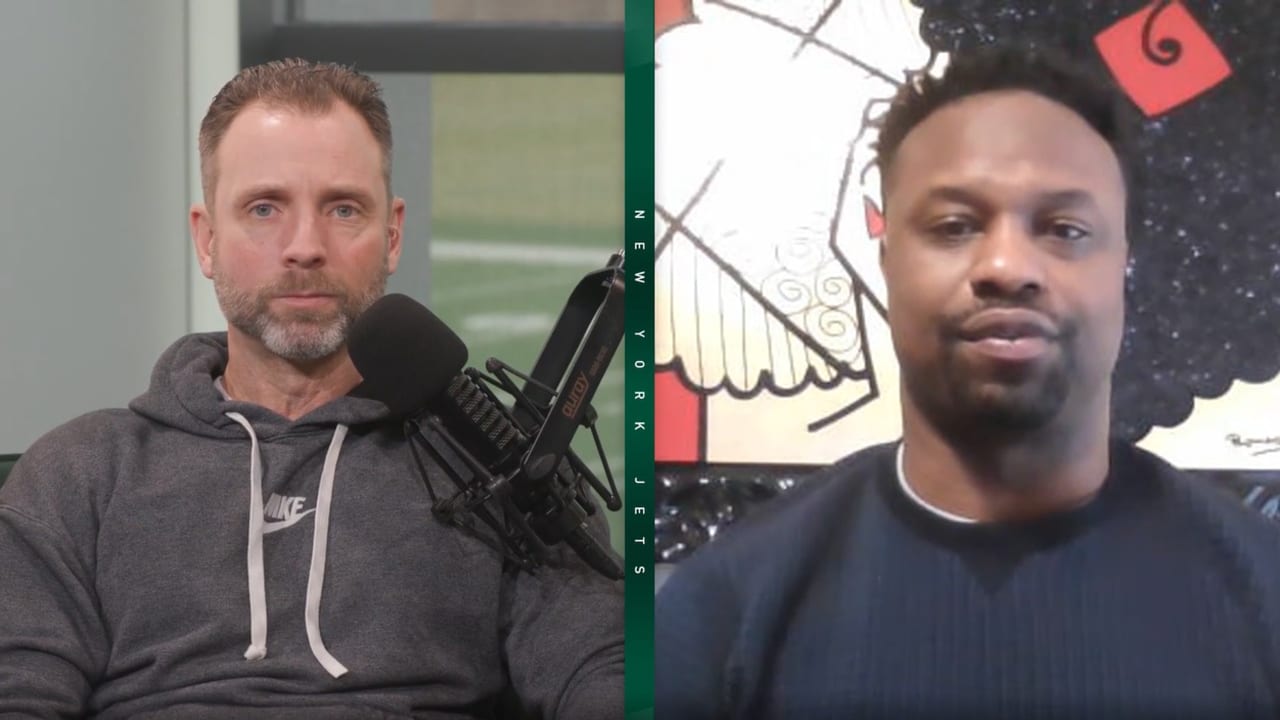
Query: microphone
{"type": "Point", "coordinates": [412, 361]}
{"type": "Point", "coordinates": [406, 355]}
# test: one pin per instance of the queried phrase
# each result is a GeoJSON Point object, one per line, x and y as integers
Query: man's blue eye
{"type": "Point", "coordinates": [261, 210]}
{"type": "Point", "coordinates": [345, 211]}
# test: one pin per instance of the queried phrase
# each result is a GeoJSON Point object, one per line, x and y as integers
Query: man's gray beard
{"type": "Point", "coordinates": [304, 336]}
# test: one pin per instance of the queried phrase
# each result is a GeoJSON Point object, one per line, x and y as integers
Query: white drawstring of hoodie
{"type": "Point", "coordinates": [319, 549]}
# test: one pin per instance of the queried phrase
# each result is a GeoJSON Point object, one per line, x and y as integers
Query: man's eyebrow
{"type": "Point", "coordinates": [954, 193]}
{"type": "Point", "coordinates": [256, 192]}
{"type": "Point", "coordinates": [1071, 197]}
{"type": "Point", "coordinates": [277, 192]}
{"type": "Point", "coordinates": [343, 192]}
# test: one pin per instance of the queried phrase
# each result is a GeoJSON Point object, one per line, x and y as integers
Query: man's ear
{"type": "Point", "coordinates": [395, 233]}
{"type": "Point", "coordinates": [202, 237]}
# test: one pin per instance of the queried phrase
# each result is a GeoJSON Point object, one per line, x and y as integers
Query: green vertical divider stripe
{"type": "Point", "coordinates": [638, 403]}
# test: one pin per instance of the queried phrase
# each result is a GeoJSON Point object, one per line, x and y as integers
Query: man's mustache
{"type": "Point", "coordinates": [298, 283]}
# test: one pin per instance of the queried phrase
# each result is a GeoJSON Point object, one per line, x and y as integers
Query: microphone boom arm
{"type": "Point", "coordinates": [471, 499]}
{"type": "Point", "coordinates": [542, 491]}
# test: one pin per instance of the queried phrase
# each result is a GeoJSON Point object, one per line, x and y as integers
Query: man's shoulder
{"type": "Point", "coordinates": [785, 527]}
{"type": "Point", "coordinates": [815, 493]}
{"type": "Point", "coordinates": [1201, 506]}
{"type": "Point", "coordinates": [61, 483]}
{"type": "Point", "coordinates": [81, 447]}
{"type": "Point", "coordinates": [91, 432]}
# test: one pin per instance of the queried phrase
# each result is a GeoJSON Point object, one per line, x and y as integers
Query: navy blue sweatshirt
{"type": "Point", "coordinates": [847, 599]}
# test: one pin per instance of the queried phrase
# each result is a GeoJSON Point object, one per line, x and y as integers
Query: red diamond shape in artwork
{"type": "Point", "coordinates": [669, 13]}
{"type": "Point", "coordinates": [875, 220]}
{"type": "Point", "coordinates": [1162, 57]}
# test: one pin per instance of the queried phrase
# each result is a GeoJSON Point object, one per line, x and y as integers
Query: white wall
{"type": "Point", "coordinates": [96, 150]}
{"type": "Point", "coordinates": [213, 57]}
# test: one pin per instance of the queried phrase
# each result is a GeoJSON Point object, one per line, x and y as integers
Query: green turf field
{"type": "Point", "coordinates": [526, 198]}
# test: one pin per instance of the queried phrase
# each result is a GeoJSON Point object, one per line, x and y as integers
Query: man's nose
{"type": "Point", "coordinates": [1007, 262]}
{"type": "Point", "coordinates": [304, 246]}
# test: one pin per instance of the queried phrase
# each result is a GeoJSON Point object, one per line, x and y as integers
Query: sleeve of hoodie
{"type": "Point", "coordinates": [563, 638]}
{"type": "Point", "coordinates": [53, 644]}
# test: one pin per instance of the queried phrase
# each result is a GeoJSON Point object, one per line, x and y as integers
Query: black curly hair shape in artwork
{"type": "Point", "coordinates": [1203, 286]}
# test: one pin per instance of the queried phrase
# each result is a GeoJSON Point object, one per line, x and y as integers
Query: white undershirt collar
{"type": "Point", "coordinates": [906, 488]}
{"type": "Point", "coordinates": [222, 389]}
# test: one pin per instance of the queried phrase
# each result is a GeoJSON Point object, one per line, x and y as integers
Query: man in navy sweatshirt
{"type": "Point", "coordinates": [248, 539]}
{"type": "Point", "coordinates": [1006, 559]}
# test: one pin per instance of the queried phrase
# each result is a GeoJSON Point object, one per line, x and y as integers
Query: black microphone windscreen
{"type": "Point", "coordinates": [406, 354]}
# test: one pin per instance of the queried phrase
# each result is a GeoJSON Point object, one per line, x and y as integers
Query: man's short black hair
{"type": "Point", "coordinates": [1003, 67]}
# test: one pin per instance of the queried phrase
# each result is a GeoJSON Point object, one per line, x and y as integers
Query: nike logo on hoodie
{"type": "Point", "coordinates": [284, 512]}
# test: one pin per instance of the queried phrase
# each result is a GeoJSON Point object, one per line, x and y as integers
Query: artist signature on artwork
{"type": "Point", "coordinates": [1264, 445]}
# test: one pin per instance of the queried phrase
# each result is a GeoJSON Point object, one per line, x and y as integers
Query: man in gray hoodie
{"type": "Point", "coordinates": [248, 540]}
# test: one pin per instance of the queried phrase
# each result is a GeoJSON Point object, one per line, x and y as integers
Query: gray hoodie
{"type": "Point", "coordinates": [195, 557]}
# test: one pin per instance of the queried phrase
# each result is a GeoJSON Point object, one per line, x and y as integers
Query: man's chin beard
{"type": "Point", "coordinates": [1012, 411]}
{"type": "Point", "coordinates": [1000, 412]}
{"type": "Point", "coordinates": [977, 401]}
{"type": "Point", "coordinates": [305, 341]}
{"type": "Point", "coordinates": [299, 337]}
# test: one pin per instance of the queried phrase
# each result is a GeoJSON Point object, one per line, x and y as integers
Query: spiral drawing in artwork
{"type": "Point", "coordinates": [755, 290]}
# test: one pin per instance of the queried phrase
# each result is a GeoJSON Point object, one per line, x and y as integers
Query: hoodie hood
{"type": "Point", "coordinates": [182, 395]}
